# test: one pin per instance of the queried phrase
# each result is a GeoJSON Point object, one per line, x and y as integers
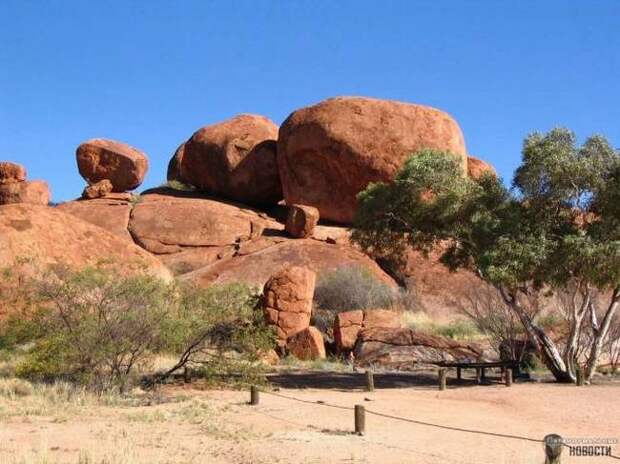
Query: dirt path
{"type": "Point", "coordinates": [218, 427]}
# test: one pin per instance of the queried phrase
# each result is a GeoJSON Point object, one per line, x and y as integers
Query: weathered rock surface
{"type": "Point", "coordinates": [476, 168]}
{"type": "Point", "coordinates": [288, 301]}
{"type": "Point", "coordinates": [329, 152]}
{"type": "Point", "coordinates": [123, 165]}
{"type": "Point", "coordinates": [35, 192]}
{"type": "Point", "coordinates": [110, 212]}
{"type": "Point", "coordinates": [348, 325]}
{"type": "Point", "coordinates": [97, 190]}
{"type": "Point", "coordinates": [301, 221]}
{"type": "Point", "coordinates": [256, 267]}
{"type": "Point", "coordinates": [48, 236]}
{"type": "Point", "coordinates": [12, 172]}
{"type": "Point", "coordinates": [307, 345]}
{"type": "Point", "coordinates": [235, 159]}
{"type": "Point", "coordinates": [406, 347]}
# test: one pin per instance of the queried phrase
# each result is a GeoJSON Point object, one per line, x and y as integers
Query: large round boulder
{"type": "Point", "coordinates": [329, 152]}
{"type": "Point", "coordinates": [124, 166]}
{"type": "Point", "coordinates": [235, 159]}
{"type": "Point", "coordinates": [46, 236]}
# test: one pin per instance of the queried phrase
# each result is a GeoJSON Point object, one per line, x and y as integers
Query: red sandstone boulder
{"type": "Point", "coordinates": [329, 152]}
{"type": "Point", "coordinates": [47, 236]}
{"type": "Point", "coordinates": [301, 221]}
{"type": "Point", "coordinates": [307, 345]}
{"type": "Point", "coordinates": [255, 267]}
{"type": "Point", "coordinates": [124, 166]}
{"type": "Point", "coordinates": [405, 347]}
{"type": "Point", "coordinates": [347, 326]}
{"type": "Point", "coordinates": [476, 168]}
{"type": "Point", "coordinates": [110, 212]}
{"type": "Point", "coordinates": [11, 172]}
{"type": "Point", "coordinates": [235, 159]}
{"type": "Point", "coordinates": [35, 193]}
{"type": "Point", "coordinates": [288, 301]}
{"type": "Point", "coordinates": [97, 190]}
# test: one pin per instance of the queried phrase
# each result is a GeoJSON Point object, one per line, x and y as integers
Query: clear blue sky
{"type": "Point", "coordinates": [149, 73]}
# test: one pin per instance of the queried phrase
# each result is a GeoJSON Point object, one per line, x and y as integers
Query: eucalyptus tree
{"type": "Point", "coordinates": [556, 229]}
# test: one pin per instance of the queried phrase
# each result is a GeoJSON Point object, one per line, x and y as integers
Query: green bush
{"type": "Point", "coordinates": [352, 287]}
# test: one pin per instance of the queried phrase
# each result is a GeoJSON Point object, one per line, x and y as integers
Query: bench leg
{"type": "Point", "coordinates": [483, 375]}
{"type": "Point", "coordinates": [458, 373]}
{"type": "Point", "coordinates": [478, 375]}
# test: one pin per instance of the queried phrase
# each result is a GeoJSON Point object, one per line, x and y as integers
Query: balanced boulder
{"type": "Point", "coordinates": [301, 221]}
{"type": "Point", "coordinates": [329, 152]}
{"type": "Point", "coordinates": [235, 159]}
{"type": "Point", "coordinates": [288, 301]}
{"type": "Point", "coordinates": [124, 166]}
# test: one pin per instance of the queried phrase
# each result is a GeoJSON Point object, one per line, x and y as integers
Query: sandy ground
{"type": "Point", "coordinates": [219, 427]}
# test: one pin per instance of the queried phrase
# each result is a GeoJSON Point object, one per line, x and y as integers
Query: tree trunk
{"type": "Point", "coordinates": [600, 334]}
{"type": "Point", "coordinates": [544, 345]}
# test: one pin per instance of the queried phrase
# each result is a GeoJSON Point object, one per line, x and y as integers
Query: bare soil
{"type": "Point", "coordinates": [218, 426]}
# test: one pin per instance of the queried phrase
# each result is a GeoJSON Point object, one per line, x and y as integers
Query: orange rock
{"type": "Point", "coordinates": [347, 326]}
{"type": "Point", "coordinates": [476, 168]}
{"type": "Point", "coordinates": [123, 165]}
{"type": "Point", "coordinates": [301, 221]}
{"type": "Point", "coordinates": [329, 152]}
{"type": "Point", "coordinates": [47, 236]}
{"type": "Point", "coordinates": [384, 318]}
{"type": "Point", "coordinates": [36, 193]}
{"type": "Point", "coordinates": [97, 190]}
{"type": "Point", "coordinates": [289, 293]}
{"type": "Point", "coordinates": [307, 345]}
{"type": "Point", "coordinates": [11, 172]}
{"type": "Point", "coordinates": [235, 159]}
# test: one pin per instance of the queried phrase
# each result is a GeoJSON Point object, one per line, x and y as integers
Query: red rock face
{"type": "Point", "coordinates": [288, 301]}
{"type": "Point", "coordinates": [47, 236]}
{"type": "Point", "coordinates": [329, 152]}
{"type": "Point", "coordinates": [301, 221]}
{"type": "Point", "coordinates": [34, 193]}
{"type": "Point", "coordinates": [235, 159]}
{"type": "Point", "coordinates": [307, 345]}
{"type": "Point", "coordinates": [476, 168]}
{"type": "Point", "coordinates": [11, 172]}
{"type": "Point", "coordinates": [121, 164]}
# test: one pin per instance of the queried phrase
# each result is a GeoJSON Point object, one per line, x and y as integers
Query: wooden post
{"type": "Point", "coordinates": [360, 419]}
{"type": "Point", "coordinates": [553, 448]}
{"type": "Point", "coordinates": [483, 375]}
{"type": "Point", "coordinates": [508, 377]}
{"type": "Point", "coordinates": [187, 378]}
{"type": "Point", "coordinates": [370, 381]}
{"type": "Point", "coordinates": [459, 374]}
{"type": "Point", "coordinates": [442, 378]}
{"type": "Point", "coordinates": [478, 375]}
{"type": "Point", "coordinates": [580, 376]}
{"type": "Point", "coordinates": [253, 395]}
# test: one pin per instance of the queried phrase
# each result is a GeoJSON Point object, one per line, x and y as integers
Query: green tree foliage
{"type": "Point", "coordinates": [557, 226]}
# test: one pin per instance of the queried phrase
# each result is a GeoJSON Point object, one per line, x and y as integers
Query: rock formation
{"type": "Point", "coordinates": [307, 345]}
{"type": "Point", "coordinates": [349, 324]}
{"type": "Point", "coordinates": [301, 221]}
{"type": "Point", "coordinates": [329, 152]}
{"type": "Point", "coordinates": [234, 159]}
{"type": "Point", "coordinates": [14, 188]}
{"type": "Point", "coordinates": [406, 347]}
{"type": "Point", "coordinates": [124, 166]}
{"type": "Point", "coordinates": [476, 168]}
{"type": "Point", "coordinates": [47, 236]}
{"type": "Point", "coordinates": [97, 190]}
{"type": "Point", "coordinates": [288, 301]}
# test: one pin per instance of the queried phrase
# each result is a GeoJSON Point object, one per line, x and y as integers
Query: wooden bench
{"type": "Point", "coordinates": [481, 367]}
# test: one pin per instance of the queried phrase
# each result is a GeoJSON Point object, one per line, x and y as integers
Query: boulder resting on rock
{"type": "Point", "coordinates": [307, 345]}
{"type": "Point", "coordinates": [301, 221]}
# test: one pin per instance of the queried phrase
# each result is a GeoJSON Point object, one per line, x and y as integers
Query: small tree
{"type": "Point", "coordinates": [559, 226]}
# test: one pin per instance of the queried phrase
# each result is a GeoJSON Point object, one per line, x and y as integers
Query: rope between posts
{"type": "Point", "coordinates": [419, 422]}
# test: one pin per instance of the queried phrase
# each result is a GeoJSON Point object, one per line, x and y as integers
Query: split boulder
{"type": "Point", "coordinates": [307, 345]}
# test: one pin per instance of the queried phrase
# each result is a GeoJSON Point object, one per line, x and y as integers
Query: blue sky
{"type": "Point", "coordinates": [149, 73]}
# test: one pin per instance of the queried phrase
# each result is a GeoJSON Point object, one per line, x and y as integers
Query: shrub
{"type": "Point", "coordinates": [352, 287]}
{"type": "Point", "coordinates": [95, 327]}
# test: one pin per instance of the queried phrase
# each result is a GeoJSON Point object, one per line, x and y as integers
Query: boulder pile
{"type": "Point", "coordinates": [14, 188]}
{"type": "Point", "coordinates": [103, 159]}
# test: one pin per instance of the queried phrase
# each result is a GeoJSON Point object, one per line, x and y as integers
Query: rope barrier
{"type": "Point", "coordinates": [419, 422]}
